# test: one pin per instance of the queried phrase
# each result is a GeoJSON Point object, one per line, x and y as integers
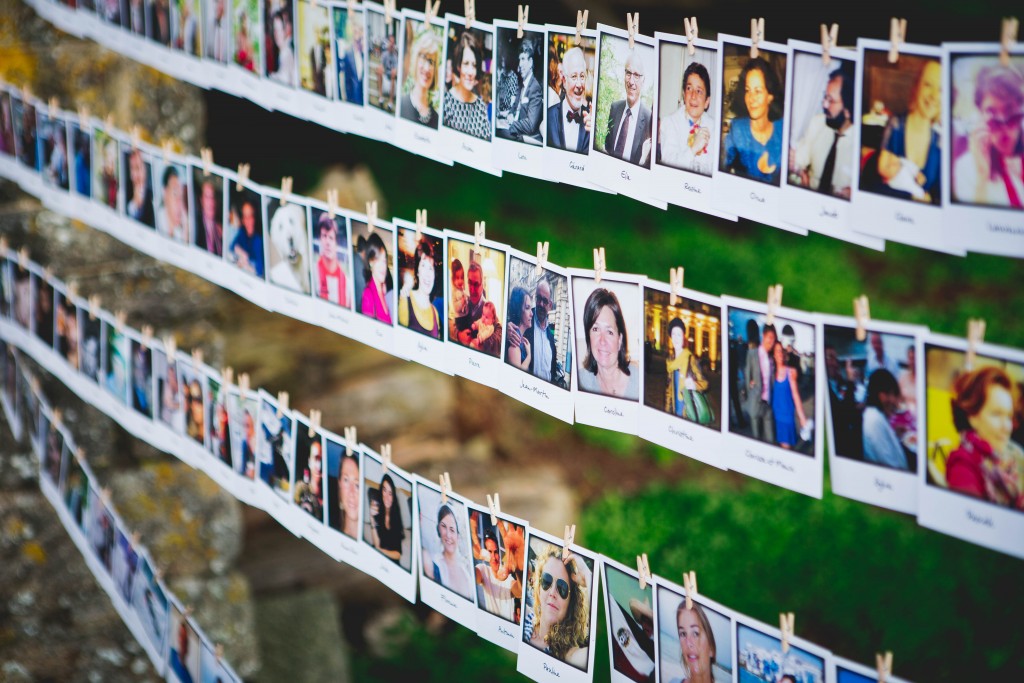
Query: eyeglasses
{"type": "Point", "coordinates": [634, 76]}
{"type": "Point", "coordinates": [1011, 121]}
{"type": "Point", "coordinates": [561, 585]}
{"type": "Point", "coordinates": [542, 300]}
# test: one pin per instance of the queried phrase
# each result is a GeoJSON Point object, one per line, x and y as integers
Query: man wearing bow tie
{"type": "Point", "coordinates": [567, 120]}
{"type": "Point", "coordinates": [629, 121]}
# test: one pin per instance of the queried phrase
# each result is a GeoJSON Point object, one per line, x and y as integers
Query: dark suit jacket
{"type": "Point", "coordinates": [643, 131]}
{"type": "Point", "coordinates": [556, 131]}
{"type": "Point", "coordinates": [549, 339]}
{"type": "Point", "coordinates": [531, 106]}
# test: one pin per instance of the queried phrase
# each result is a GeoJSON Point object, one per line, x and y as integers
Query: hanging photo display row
{"type": "Point", "coordinates": [737, 384]}
{"type": "Point", "coordinates": [888, 141]}
{"type": "Point", "coordinates": [528, 591]}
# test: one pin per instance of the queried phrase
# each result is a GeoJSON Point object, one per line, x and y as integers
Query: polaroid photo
{"type": "Point", "coordinates": [187, 42]}
{"type": "Point", "coordinates": [308, 484]}
{"type": "Point", "coordinates": [51, 464]}
{"type": "Point", "coordinates": [158, 23]}
{"type": "Point", "coordinates": [983, 149]}
{"type": "Point", "coordinates": [280, 63]}
{"type": "Point", "coordinates": [630, 616]}
{"type": "Point", "coordinates": [245, 64]}
{"type": "Point", "coordinates": [42, 322]}
{"type": "Point", "coordinates": [759, 654]}
{"type": "Point", "coordinates": [333, 275]}
{"type": "Point", "coordinates": [193, 392]}
{"type": "Point", "coordinates": [168, 398]}
{"type": "Point", "coordinates": [751, 114]}
{"type": "Point", "coordinates": [79, 165]}
{"type": "Point", "coordinates": [569, 96]}
{"type": "Point", "coordinates": [244, 250]}
{"type": "Point", "coordinates": [519, 124]}
{"type": "Point", "coordinates": [216, 39]}
{"type": "Point", "coordinates": [208, 215]}
{"type": "Point", "coordinates": [607, 320]}
{"type": "Point", "coordinates": [172, 202]}
{"type": "Point", "coordinates": [220, 465]}
{"type": "Point", "coordinates": [90, 343]}
{"type": "Point", "coordinates": [373, 280]}
{"type": "Point", "coordinates": [389, 500]}
{"type": "Point", "coordinates": [243, 412]}
{"type": "Point", "coordinates": [420, 87]}
{"type": "Point", "coordinates": [875, 404]}
{"type": "Point", "coordinates": [183, 647]}
{"type": "Point", "coordinates": [685, 129]}
{"type": "Point", "coordinates": [558, 592]}
{"type": "Point", "coordinates": [499, 561]}
{"type": "Point", "coordinates": [419, 264]}
{"type": "Point", "coordinates": [101, 533]}
{"type": "Point", "coordinates": [622, 124]}
{"type": "Point", "coordinates": [52, 152]}
{"type": "Point", "coordinates": [476, 302]}
{"type": "Point", "coordinates": [972, 483]}
{"type": "Point", "coordinates": [845, 671]}
{"type": "Point", "coordinates": [9, 398]}
{"type": "Point", "coordinates": [538, 356]}
{"type": "Point", "coordinates": [29, 410]}
{"type": "Point", "coordinates": [467, 101]}
{"type": "Point", "coordinates": [21, 293]}
{"type": "Point", "coordinates": [25, 133]}
{"type": "Point", "coordinates": [150, 605]}
{"type": "Point", "coordinates": [696, 643]}
{"type": "Point", "coordinates": [215, 668]}
{"type": "Point", "coordinates": [315, 56]}
{"type": "Point", "coordinates": [116, 366]}
{"type": "Point", "coordinates": [137, 171]}
{"type": "Point", "coordinates": [275, 461]}
{"type": "Point", "coordinates": [342, 465]}
{"type": "Point", "coordinates": [124, 568]}
{"type": "Point", "coordinates": [895, 196]}
{"type": "Point", "coordinates": [773, 432]}
{"type": "Point", "coordinates": [380, 79]}
{"type": "Point", "coordinates": [141, 381]}
{"type": "Point", "coordinates": [288, 255]}
{"type": "Point", "coordinates": [67, 336]}
{"type": "Point", "coordinates": [821, 155]}
{"type": "Point", "coordinates": [106, 173]}
{"type": "Point", "coordinates": [74, 493]}
{"type": "Point", "coordinates": [6, 283]}
{"type": "Point", "coordinates": [445, 559]}
{"type": "Point", "coordinates": [345, 73]}
{"type": "Point", "coordinates": [682, 384]}
{"type": "Point", "coordinates": [7, 150]}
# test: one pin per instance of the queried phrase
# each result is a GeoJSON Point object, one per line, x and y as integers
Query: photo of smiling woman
{"type": "Point", "coordinates": [695, 643]}
{"type": "Point", "coordinates": [603, 344]}
{"type": "Point", "coordinates": [420, 93]}
{"type": "Point", "coordinates": [444, 542]}
{"type": "Point", "coordinates": [752, 112]}
{"type": "Point", "coordinates": [558, 603]}
{"type": "Point", "coordinates": [467, 97]}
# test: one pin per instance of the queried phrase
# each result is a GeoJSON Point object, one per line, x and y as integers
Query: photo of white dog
{"type": "Point", "coordinates": [289, 247]}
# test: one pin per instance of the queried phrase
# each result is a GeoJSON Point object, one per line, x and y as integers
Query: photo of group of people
{"type": "Point", "coordinates": [538, 323]}
{"type": "Point", "coordinates": [477, 294]}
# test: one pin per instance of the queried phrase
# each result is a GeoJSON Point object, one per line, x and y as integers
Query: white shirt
{"type": "Point", "coordinates": [633, 112]}
{"type": "Point", "coordinates": [675, 142]}
{"type": "Point", "coordinates": [880, 443]}
{"type": "Point", "coordinates": [887, 363]}
{"type": "Point", "coordinates": [541, 351]}
{"type": "Point", "coordinates": [498, 598]}
{"type": "Point", "coordinates": [571, 128]}
{"type": "Point", "coordinates": [812, 152]}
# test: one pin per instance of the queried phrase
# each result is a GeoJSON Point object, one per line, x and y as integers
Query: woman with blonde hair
{"type": "Point", "coordinates": [560, 619]}
{"type": "Point", "coordinates": [418, 104]}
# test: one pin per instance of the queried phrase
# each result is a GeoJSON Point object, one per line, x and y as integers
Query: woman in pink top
{"type": "Point", "coordinates": [377, 292]}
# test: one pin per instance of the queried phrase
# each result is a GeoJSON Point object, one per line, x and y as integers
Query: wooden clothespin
{"type": "Point", "coordinates": [227, 375]}
{"type": "Point", "coordinates": [421, 222]}
{"type": "Point", "coordinates": [570, 536]}
{"type": "Point", "coordinates": [690, 584]}
{"type": "Point", "coordinates": [774, 303]}
{"type": "Point", "coordinates": [3, 245]}
{"type": "Point", "coordinates": [218, 652]}
{"type": "Point", "coordinates": [385, 457]}
{"type": "Point", "coordinates": [23, 258]}
{"type": "Point", "coordinates": [371, 215]}
{"type": "Point", "coordinates": [187, 612]}
{"type": "Point", "coordinates": [643, 568]}
{"type": "Point", "coordinates": [690, 24]}
{"type": "Point", "coordinates": [862, 314]}
{"type": "Point", "coordinates": [108, 122]}
{"type": "Point", "coordinates": [72, 289]}
{"type": "Point", "coordinates": [675, 278]}
{"type": "Point", "coordinates": [332, 202]}
{"type": "Point", "coordinates": [756, 36]}
{"type": "Point", "coordinates": [243, 176]}
{"type": "Point", "coordinates": [83, 116]}
{"type": "Point", "coordinates": [470, 13]}
{"type": "Point", "coordinates": [197, 357]}
{"type": "Point", "coordinates": [282, 403]}
{"type": "Point", "coordinates": [446, 487]}
{"type": "Point", "coordinates": [171, 345]}
{"type": "Point", "coordinates": [57, 417]}
{"type": "Point", "coordinates": [786, 621]}
{"type": "Point", "coordinates": [351, 441]}
{"type": "Point", "coordinates": [542, 256]}
{"type": "Point", "coordinates": [315, 419]}
{"type": "Point", "coordinates": [829, 38]}
{"type": "Point", "coordinates": [975, 337]}
{"type": "Point", "coordinates": [1008, 39]}
{"type": "Point", "coordinates": [479, 233]}
{"type": "Point", "coordinates": [286, 189]}
{"type": "Point", "coordinates": [524, 19]}
{"type": "Point", "coordinates": [47, 273]}
{"type": "Point", "coordinates": [582, 17]}
{"type": "Point", "coordinates": [53, 106]}
{"type": "Point", "coordinates": [389, 9]}
{"type": "Point", "coordinates": [80, 454]}
{"type": "Point", "coordinates": [26, 93]}
{"type": "Point", "coordinates": [351, 5]}
{"type": "Point", "coordinates": [135, 134]}
{"type": "Point", "coordinates": [897, 36]}
{"type": "Point", "coordinates": [136, 538]}
{"type": "Point", "coordinates": [632, 26]}
{"type": "Point", "coordinates": [166, 147]}
{"type": "Point", "coordinates": [243, 384]}
{"type": "Point", "coordinates": [599, 264]}
{"type": "Point", "coordinates": [431, 10]}
{"type": "Point", "coordinates": [206, 154]}
{"type": "Point", "coordinates": [119, 319]}
{"type": "Point", "coordinates": [495, 507]}
{"type": "Point", "coordinates": [146, 334]}
{"type": "Point", "coordinates": [105, 495]}
{"type": "Point", "coordinates": [884, 665]}
{"type": "Point", "coordinates": [94, 306]}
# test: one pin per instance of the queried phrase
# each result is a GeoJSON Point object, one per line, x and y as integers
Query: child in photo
{"type": "Point", "coordinates": [484, 327]}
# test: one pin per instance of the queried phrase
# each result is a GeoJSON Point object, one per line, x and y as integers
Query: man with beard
{"type": "Point", "coordinates": [822, 159]}
{"type": "Point", "coordinates": [544, 364]}
{"type": "Point", "coordinates": [629, 121]}
{"type": "Point", "coordinates": [568, 119]}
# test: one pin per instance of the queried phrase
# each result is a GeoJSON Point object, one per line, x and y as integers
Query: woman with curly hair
{"type": "Point", "coordinates": [561, 607]}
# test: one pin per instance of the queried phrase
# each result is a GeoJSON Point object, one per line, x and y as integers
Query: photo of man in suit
{"type": "Point", "coordinates": [628, 136]}
{"type": "Point", "coordinates": [567, 119]}
{"type": "Point", "coordinates": [521, 113]}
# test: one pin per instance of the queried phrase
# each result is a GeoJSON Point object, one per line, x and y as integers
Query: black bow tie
{"type": "Point", "coordinates": [576, 116]}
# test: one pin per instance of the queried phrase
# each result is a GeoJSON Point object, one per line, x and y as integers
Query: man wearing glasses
{"type": "Point", "coordinates": [629, 120]}
{"type": "Point", "coordinates": [568, 119]}
{"type": "Point", "coordinates": [822, 159]}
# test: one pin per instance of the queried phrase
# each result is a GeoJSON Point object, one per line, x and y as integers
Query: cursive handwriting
{"type": "Point", "coordinates": [503, 631]}
{"type": "Point", "coordinates": [573, 166]}
{"type": "Point", "coordinates": [472, 363]}
{"type": "Point", "coordinates": [612, 411]}
{"type": "Point", "coordinates": [1005, 229]}
{"type": "Point", "coordinates": [551, 671]}
{"type": "Point", "coordinates": [520, 156]}
{"type": "Point", "coordinates": [421, 138]}
{"type": "Point", "coordinates": [533, 388]}
{"type": "Point", "coordinates": [826, 213]}
{"type": "Point", "coordinates": [882, 485]}
{"type": "Point", "coordinates": [680, 433]}
{"type": "Point", "coordinates": [467, 148]}
{"type": "Point", "coordinates": [983, 520]}
{"type": "Point", "coordinates": [756, 197]}
{"type": "Point", "coordinates": [447, 600]}
{"type": "Point", "coordinates": [420, 346]}
{"type": "Point", "coordinates": [691, 188]}
{"type": "Point", "coordinates": [624, 175]}
{"type": "Point", "coordinates": [904, 218]}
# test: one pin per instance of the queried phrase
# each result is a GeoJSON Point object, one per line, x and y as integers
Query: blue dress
{"type": "Point", "coordinates": [784, 411]}
{"type": "Point", "coordinates": [895, 140]}
{"type": "Point", "coordinates": [742, 151]}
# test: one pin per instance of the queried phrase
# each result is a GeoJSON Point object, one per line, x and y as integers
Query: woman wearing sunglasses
{"type": "Point", "coordinates": [560, 617]}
